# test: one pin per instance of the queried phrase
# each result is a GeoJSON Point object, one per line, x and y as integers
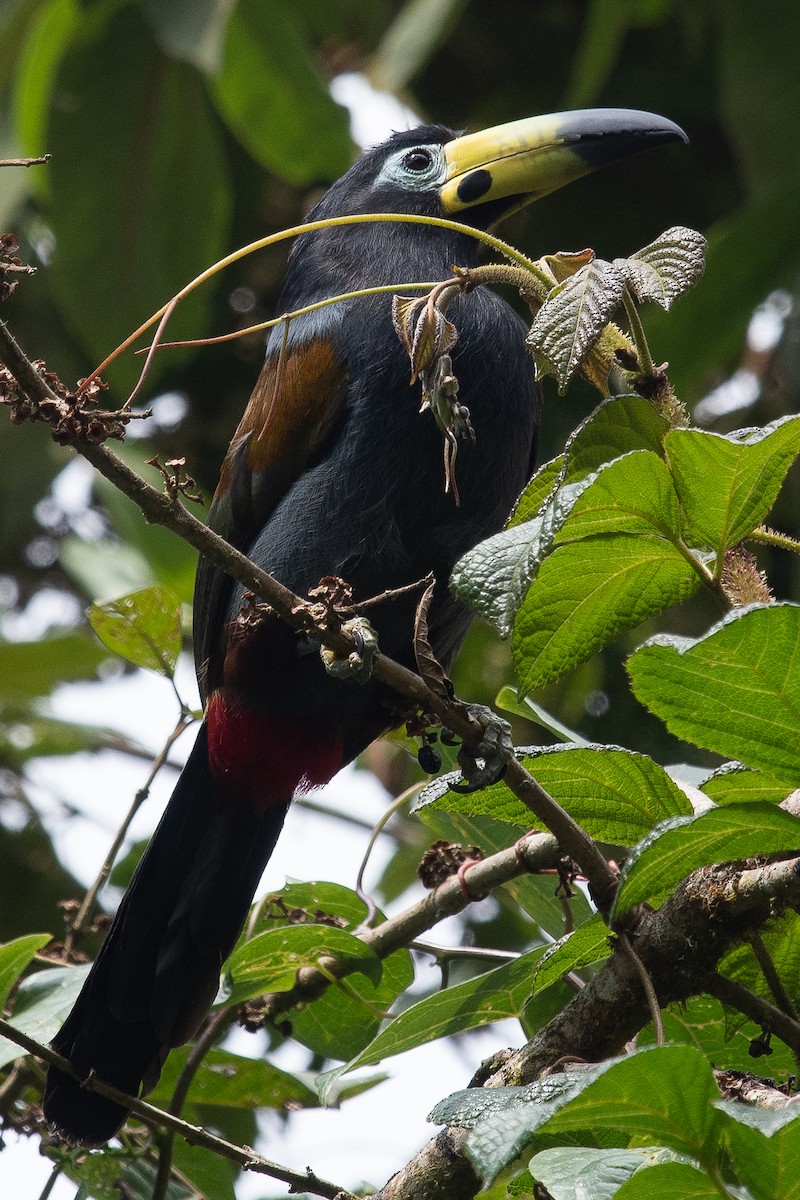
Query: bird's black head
{"type": "Point", "coordinates": [403, 174]}
{"type": "Point", "coordinates": [478, 178]}
{"type": "Point", "coordinates": [475, 179]}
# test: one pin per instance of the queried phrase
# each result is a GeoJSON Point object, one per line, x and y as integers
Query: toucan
{"type": "Point", "coordinates": [332, 472]}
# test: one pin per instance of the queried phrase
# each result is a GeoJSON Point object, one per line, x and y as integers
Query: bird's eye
{"type": "Point", "coordinates": [417, 160]}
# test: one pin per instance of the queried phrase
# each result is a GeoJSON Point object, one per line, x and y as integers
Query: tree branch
{"type": "Point", "coordinates": [166, 509]}
{"type": "Point", "coordinates": [534, 852]}
{"type": "Point", "coordinates": [244, 1156]}
{"type": "Point", "coordinates": [679, 946]}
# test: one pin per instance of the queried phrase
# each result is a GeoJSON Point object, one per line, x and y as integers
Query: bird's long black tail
{"type": "Point", "coordinates": [157, 972]}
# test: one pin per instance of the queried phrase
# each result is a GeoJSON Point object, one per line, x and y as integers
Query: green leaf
{"type": "Point", "coordinates": [727, 485]}
{"type": "Point", "coordinates": [269, 962]}
{"type": "Point", "coordinates": [502, 1121]}
{"type": "Point", "coordinates": [35, 668]}
{"type": "Point", "coordinates": [616, 795]}
{"type": "Point", "coordinates": [704, 1023]}
{"type": "Point", "coordinates": [664, 1094]}
{"type": "Point", "coordinates": [42, 1003]}
{"type": "Point", "coordinates": [781, 940]}
{"type": "Point", "coordinates": [493, 996]}
{"type": "Point", "coordinates": [15, 957]}
{"type": "Point", "coordinates": [768, 1121]}
{"type": "Point", "coordinates": [587, 593]}
{"type": "Point", "coordinates": [271, 95]}
{"type": "Point", "coordinates": [589, 943]}
{"type": "Point", "coordinates": [212, 1175]}
{"type": "Point", "coordinates": [536, 492]}
{"type": "Point", "coordinates": [735, 691]}
{"type": "Point", "coordinates": [315, 902]}
{"type": "Point", "coordinates": [573, 1173]}
{"type": "Point", "coordinates": [766, 1159]}
{"type": "Point", "coordinates": [143, 627]}
{"type": "Point", "coordinates": [341, 1022]}
{"type": "Point", "coordinates": [665, 1181]}
{"type": "Point", "coordinates": [734, 784]}
{"type": "Point", "coordinates": [667, 268]}
{"type": "Point", "coordinates": [616, 427]}
{"type": "Point", "coordinates": [572, 318]}
{"type": "Point", "coordinates": [493, 577]}
{"type": "Point", "coordinates": [128, 133]}
{"type": "Point", "coordinates": [683, 844]}
{"type": "Point", "coordinates": [507, 700]}
{"type": "Point", "coordinates": [344, 1018]}
{"type": "Point", "coordinates": [231, 1081]}
{"type": "Point", "coordinates": [632, 494]}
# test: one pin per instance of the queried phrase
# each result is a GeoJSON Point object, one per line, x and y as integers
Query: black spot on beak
{"type": "Point", "coordinates": [474, 185]}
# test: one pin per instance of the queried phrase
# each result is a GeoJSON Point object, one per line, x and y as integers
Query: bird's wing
{"type": "Point", "coordinates": [294, 409]}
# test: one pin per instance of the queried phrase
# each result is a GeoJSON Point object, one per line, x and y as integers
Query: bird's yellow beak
{"type": "Point", "coordinates": [523, 160]}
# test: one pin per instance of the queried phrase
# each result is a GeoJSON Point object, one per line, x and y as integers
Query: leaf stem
{"type": "Point", "coordinates": [141, 795]}
{"type": "Point", "coordinates": [771, 537]}
{"type": "Point", "coordinates": [397, 804]}
{"type": "Point", "coordinates": [488, 239]}
{"type": "Point", "coordinates": [261, 326]}
{"type": "Point", "coordinates": [637, 333]}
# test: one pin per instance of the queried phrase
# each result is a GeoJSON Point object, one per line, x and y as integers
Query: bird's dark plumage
{"type": "Point", "coordinates": [332, 471]}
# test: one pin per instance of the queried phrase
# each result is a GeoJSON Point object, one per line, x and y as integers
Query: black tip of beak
{"type": "Point", "coordinates": [603, 134]}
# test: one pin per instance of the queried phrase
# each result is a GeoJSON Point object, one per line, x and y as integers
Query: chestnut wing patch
{"type": "Point", "coordinates": [296, 402]}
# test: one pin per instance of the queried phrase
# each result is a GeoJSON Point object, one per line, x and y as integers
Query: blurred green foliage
{"type": "Point", "coordinates": [180, 132]}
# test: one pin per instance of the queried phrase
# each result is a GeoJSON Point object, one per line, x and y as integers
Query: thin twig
{"type": "Point", "coordinates": [26, 162]}
{"type": "Point", "coordinates": [195, 1135]}
{"type": "Point", "coordinates": [167, 510]}
{"type": "Point", "coordinates": [488, 239]}
{"type": "Point", "coordinates": [52, 1180]}
{"type": "Point", "coordinates": [377, 829]}
{"type": "Point", "coordinates": [216, 1025]}
{"type": "Point", "coordinates": [89, 899]}
{"type": "Point", "coordinates": [779, 993]}
{"type": "Point", "coordinates": [647, 985]}
{"type": "Point", "coordinates": [162, 324]}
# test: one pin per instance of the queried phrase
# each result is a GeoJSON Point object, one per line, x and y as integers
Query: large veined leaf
{"type": "Point", "coordinates": [614, 794]}
{"type": "Point", "coordinates": [727, 485]}
{"type": "Point", "coordinates": [683, 844]}
{"type": "Point", "coordinates": [493, 996]}
{"type": "Point", "coordinates": [735, 691]}
{"type": "Point", "coordinates": [586, 593]}
{"type": "Point", "coordinates": [143, 627]}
